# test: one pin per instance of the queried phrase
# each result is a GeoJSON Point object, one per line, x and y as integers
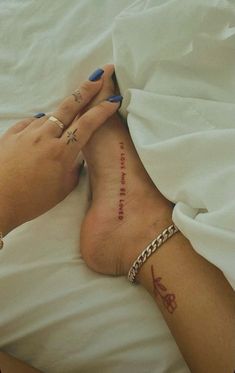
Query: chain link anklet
{"type": "Point", "coordinates": [149, 250]}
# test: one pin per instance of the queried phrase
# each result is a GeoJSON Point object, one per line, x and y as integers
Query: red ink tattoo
{"type": "Point", "coordinates": [159, 289]}
{"type": "Point", "coordinates": [122, 190]}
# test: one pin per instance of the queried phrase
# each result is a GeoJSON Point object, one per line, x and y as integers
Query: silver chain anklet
{"type": "Point", "coordinates": [149, 250]}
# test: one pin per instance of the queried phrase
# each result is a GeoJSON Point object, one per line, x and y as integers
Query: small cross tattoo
{"type": "Point", "coordinates": [77, 96]}
{"type": "Point", "coordinates": [71, 136]}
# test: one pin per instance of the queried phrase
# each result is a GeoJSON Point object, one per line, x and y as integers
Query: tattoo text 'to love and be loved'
{"type": "Point", "coordinates": [122, 188]}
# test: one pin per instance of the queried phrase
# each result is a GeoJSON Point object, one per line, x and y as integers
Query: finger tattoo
{"type": "Point", "coordinates": [71, 136]}
{"type": "Point", "coordinates": [77, 96]}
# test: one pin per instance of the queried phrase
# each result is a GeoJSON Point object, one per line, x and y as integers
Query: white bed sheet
{"type": "Point", "coordinates": [179, 79]}
{"type": "Point", "coordinates": [174, 62]}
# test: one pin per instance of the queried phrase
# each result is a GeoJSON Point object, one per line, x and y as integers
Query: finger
{"type": "Point", "coordinates": [19, 126]}
{"type": "Point", "coordinates": [107, 87]}
{"type": "Point", "coordinates": [73, 104]}
{"type": "Point", "coordinates": [34, 124]}
{"type": "Point", "coordinates": [78, 134]}
{"type": "Point", "coordinates": [26, 123]}
{"type": "Point", "coordinates": [39, 119]}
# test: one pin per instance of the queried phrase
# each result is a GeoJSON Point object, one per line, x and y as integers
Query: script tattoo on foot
{"type": "Point", "coordinates": [71, 136]}
{"type": "Point", "coordinates": [77, 96]}
{"type": "Point", "coordinates": [168, 299]}
{"type": "Point", "coordinates": [122, 189]}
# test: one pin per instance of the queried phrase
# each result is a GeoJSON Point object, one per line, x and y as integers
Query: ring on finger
{"type": "Point", "coordinates": [57, 121]}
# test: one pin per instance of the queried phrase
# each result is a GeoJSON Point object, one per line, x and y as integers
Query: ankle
{"type": "Point", "coordinates": [153, 219]}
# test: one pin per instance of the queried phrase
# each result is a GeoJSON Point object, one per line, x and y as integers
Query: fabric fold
{"type": "Point", "coordinates": [176, 70]}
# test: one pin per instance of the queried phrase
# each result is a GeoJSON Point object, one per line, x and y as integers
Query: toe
{"type": "Point", "coordinates": [109, 86]}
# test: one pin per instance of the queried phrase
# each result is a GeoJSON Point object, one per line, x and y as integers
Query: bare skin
{"type": "Point", "coordinates": [103, 156]}
{"type": "Point", "coordinates": [54, 148]}
{"type": "Point", "coordinates": [127, 211]}
{"type": "Point", "coordinates": [27, 189]}
{"type": "Point", "coordinates": [8, 364]}
{"type": "Point", "coordinates": [194, 297]}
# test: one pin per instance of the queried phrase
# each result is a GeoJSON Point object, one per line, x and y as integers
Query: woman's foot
{"type": "Point", "coordinates": [127, 211]}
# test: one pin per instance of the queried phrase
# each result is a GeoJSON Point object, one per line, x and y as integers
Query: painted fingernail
{"type": "Point", "coordinates": [39, 115]}
{"type": "Point", "coordinates": [96, 75]}
{"type": "Point", "coordinates": [115, 99]}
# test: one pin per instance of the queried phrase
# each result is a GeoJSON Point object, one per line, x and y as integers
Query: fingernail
{"type": "Point", "coordinates": [96, 75]}
{"type": "Point", "coordinates": [115, 99]}
{"type": "Point", "coordinates": [39, 115]}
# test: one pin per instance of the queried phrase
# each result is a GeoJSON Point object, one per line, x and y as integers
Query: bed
{"type": "Point", "coordinates": [174, 62]}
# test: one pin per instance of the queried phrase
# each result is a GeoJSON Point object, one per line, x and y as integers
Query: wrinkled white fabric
{"type": "Point", "coordinates": [176, 62]}
{"type": "Point", "coordinates": [175, 66]}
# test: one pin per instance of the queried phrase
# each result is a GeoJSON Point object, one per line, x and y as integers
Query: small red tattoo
{"type": "Point", "coordinates": [122, 189]}
{"type": "Point", "coordinates": [159, 289]}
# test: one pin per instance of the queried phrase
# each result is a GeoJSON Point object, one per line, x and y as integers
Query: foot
{"type": "Point", "coordinates": [127, 211]}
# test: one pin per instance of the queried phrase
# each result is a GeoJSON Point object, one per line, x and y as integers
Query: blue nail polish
{"type": "Point", "coordinates": [96, 75]}
{"type": "Point", "coordinates": [115, 99]}
{"type": "Point", "coordinates": [39, 115]}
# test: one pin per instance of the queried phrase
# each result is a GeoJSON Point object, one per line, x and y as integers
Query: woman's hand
{"type": "Point", "coordinates": [39, 166]}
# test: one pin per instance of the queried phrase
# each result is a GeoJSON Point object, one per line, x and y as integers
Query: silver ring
{"type": "Point", "coordinates": [57, 121]}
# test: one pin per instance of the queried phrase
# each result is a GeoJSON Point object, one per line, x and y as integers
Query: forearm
{"type": "Point", "coordinates": [200, 310]}
{"type": "Point", "coordinates": [9, 364]}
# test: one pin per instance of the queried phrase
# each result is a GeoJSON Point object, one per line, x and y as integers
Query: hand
{"type": "Point", "coordinates": [38, 159]}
